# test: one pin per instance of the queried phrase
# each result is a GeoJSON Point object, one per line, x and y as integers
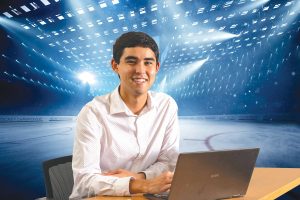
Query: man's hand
{"type": "Point", "coordinates": [124, 173]}
{"type": "Point", "coordinates": [158, 184]}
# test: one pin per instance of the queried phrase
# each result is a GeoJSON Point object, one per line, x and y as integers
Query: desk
{"type": "Point", "coordinates": [265, 184]}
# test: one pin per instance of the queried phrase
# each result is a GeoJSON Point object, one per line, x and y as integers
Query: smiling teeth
{"type": "Point", "coordinates": [139, 80]}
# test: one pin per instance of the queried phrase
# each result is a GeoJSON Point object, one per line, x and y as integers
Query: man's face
{"type": "Point", "coordinates": [137, 70]}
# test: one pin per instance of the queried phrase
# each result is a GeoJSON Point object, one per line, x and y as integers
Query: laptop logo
{"type": "Point", "coordinates": [216, 175]}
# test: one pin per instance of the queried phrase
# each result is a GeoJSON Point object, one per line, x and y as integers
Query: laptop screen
{"type": "Point", "coordinates": [213, 174]}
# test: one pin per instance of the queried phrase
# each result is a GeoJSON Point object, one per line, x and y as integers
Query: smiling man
{"type": "Point", "coordinates": [137, 69]}
{"type": "Point", "coordinates": [127, 141]}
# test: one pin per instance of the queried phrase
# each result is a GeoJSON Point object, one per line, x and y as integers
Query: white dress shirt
{"type": "Point", "coordinates": [109, 136]}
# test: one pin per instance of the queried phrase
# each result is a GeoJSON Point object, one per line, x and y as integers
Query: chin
{"type": "Point", "coordinates": [141, 91]}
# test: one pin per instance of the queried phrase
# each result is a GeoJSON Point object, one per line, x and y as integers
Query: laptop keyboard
{"type": "Point", "coordinates": [161, 196]}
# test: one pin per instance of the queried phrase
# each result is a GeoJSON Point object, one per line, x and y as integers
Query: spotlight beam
{"type": "Point", "coordinates": [215, 36]}
{"type": "Point", "coordinates": [254, 5]}
{"type": "Point", "coordinates": [190, 69]}
{"type": "Point", "coordinates": [162, 84]}
{"type": "Point", "coordinates": [186, 71]}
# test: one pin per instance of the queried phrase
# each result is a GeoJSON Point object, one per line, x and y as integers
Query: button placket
{"type": "Point", "coordinates": [142, 132]}
{"type": "Point", "coordinates": [131, 123]}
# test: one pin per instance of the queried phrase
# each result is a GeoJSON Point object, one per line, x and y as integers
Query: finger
{"type": "Point", "coordinates": [106, 173]}
{"type": "Point", "coordinates": [166, 187]}
{"type": "Point", "coordinates": [169, 174]}
{"type": "Point", "coordinates": [168, 177]}
{"type": "Point", "coordinates": [118, 175]}
{"type": "Point", "coordinates": [116, 171]}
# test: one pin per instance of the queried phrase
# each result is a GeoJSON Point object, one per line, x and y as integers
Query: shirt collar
{"type": "Point", "coordinates": [117, 105]}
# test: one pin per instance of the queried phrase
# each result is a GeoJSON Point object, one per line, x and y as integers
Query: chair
{"type": "Point", "coordinates": [58, 176]}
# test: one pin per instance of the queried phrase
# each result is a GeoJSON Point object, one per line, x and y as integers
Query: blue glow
{"type": "Point", "coordinates": [247, 46]}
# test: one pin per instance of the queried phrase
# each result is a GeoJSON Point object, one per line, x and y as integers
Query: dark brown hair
{"type": "Point", "coordinates": [134, 39]}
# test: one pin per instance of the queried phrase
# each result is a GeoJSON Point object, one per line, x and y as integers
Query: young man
{"type": "Point", "coordinates": [127, 141]}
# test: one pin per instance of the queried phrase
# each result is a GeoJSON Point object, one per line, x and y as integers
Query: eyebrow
{"type": "Point", "coordinates": [150, 59]}
{"type": "Point", "coordinates": [130, 58]}
{"type": "Point", "coordinates": [135, 58]}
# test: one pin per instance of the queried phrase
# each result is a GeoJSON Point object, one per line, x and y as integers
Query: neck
{"type": "Point", "coordinates": [135, 103]}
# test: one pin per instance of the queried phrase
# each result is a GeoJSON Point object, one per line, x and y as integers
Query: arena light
{"type": "Point", "coordinates": [45, 2]}
{"type": "Point", "coordinates": [25, 8]}
{"type": "Point", "coordinates": [87, 77]}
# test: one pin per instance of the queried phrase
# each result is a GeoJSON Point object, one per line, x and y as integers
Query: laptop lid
{"type": "Point", "coordinates": [213, 175]}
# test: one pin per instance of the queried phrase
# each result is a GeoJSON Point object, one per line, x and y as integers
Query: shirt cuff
{"type": "Point", "coordinates": [122, 186]}
{"type": "Point", "coordinates": [142, 172]}
{"type": "Point", "coordinates": [149, 174]}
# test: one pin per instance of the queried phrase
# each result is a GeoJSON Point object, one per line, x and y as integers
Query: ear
{"type": "Point", "coordinates": [114, 65]}
{"type": "Point", "coordinates": [157, 66]}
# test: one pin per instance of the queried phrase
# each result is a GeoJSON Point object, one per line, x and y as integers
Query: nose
{"type": "Point", "coordinates": [140, 68]}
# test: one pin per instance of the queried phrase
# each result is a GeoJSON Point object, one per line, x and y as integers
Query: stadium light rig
{"type": "Point", "coordinates": [87, 77]}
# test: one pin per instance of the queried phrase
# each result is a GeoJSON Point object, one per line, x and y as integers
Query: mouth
{"type": "Point", "coordinates": [140, 80]}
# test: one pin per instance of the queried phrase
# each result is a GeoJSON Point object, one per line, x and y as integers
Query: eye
{"type": "Point", "coordinates": [149, 63]}
{"type": "Point", "coordinates": [131, 62]}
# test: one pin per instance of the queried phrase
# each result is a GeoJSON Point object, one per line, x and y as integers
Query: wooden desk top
{"type": "Point", "coordinates": [265, 184]}
{"type": "Point", "coordinates": [271, 183]}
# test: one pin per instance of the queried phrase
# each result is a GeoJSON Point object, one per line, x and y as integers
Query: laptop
{"type": "Point", "coordinates": [211, 175]}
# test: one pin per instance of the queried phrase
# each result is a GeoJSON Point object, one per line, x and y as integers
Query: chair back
{"type": "Point", "coordinates": [58, 176]}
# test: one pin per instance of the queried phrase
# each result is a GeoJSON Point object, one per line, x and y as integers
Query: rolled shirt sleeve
{"type": "Point", "coordinates": [88, 180]}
